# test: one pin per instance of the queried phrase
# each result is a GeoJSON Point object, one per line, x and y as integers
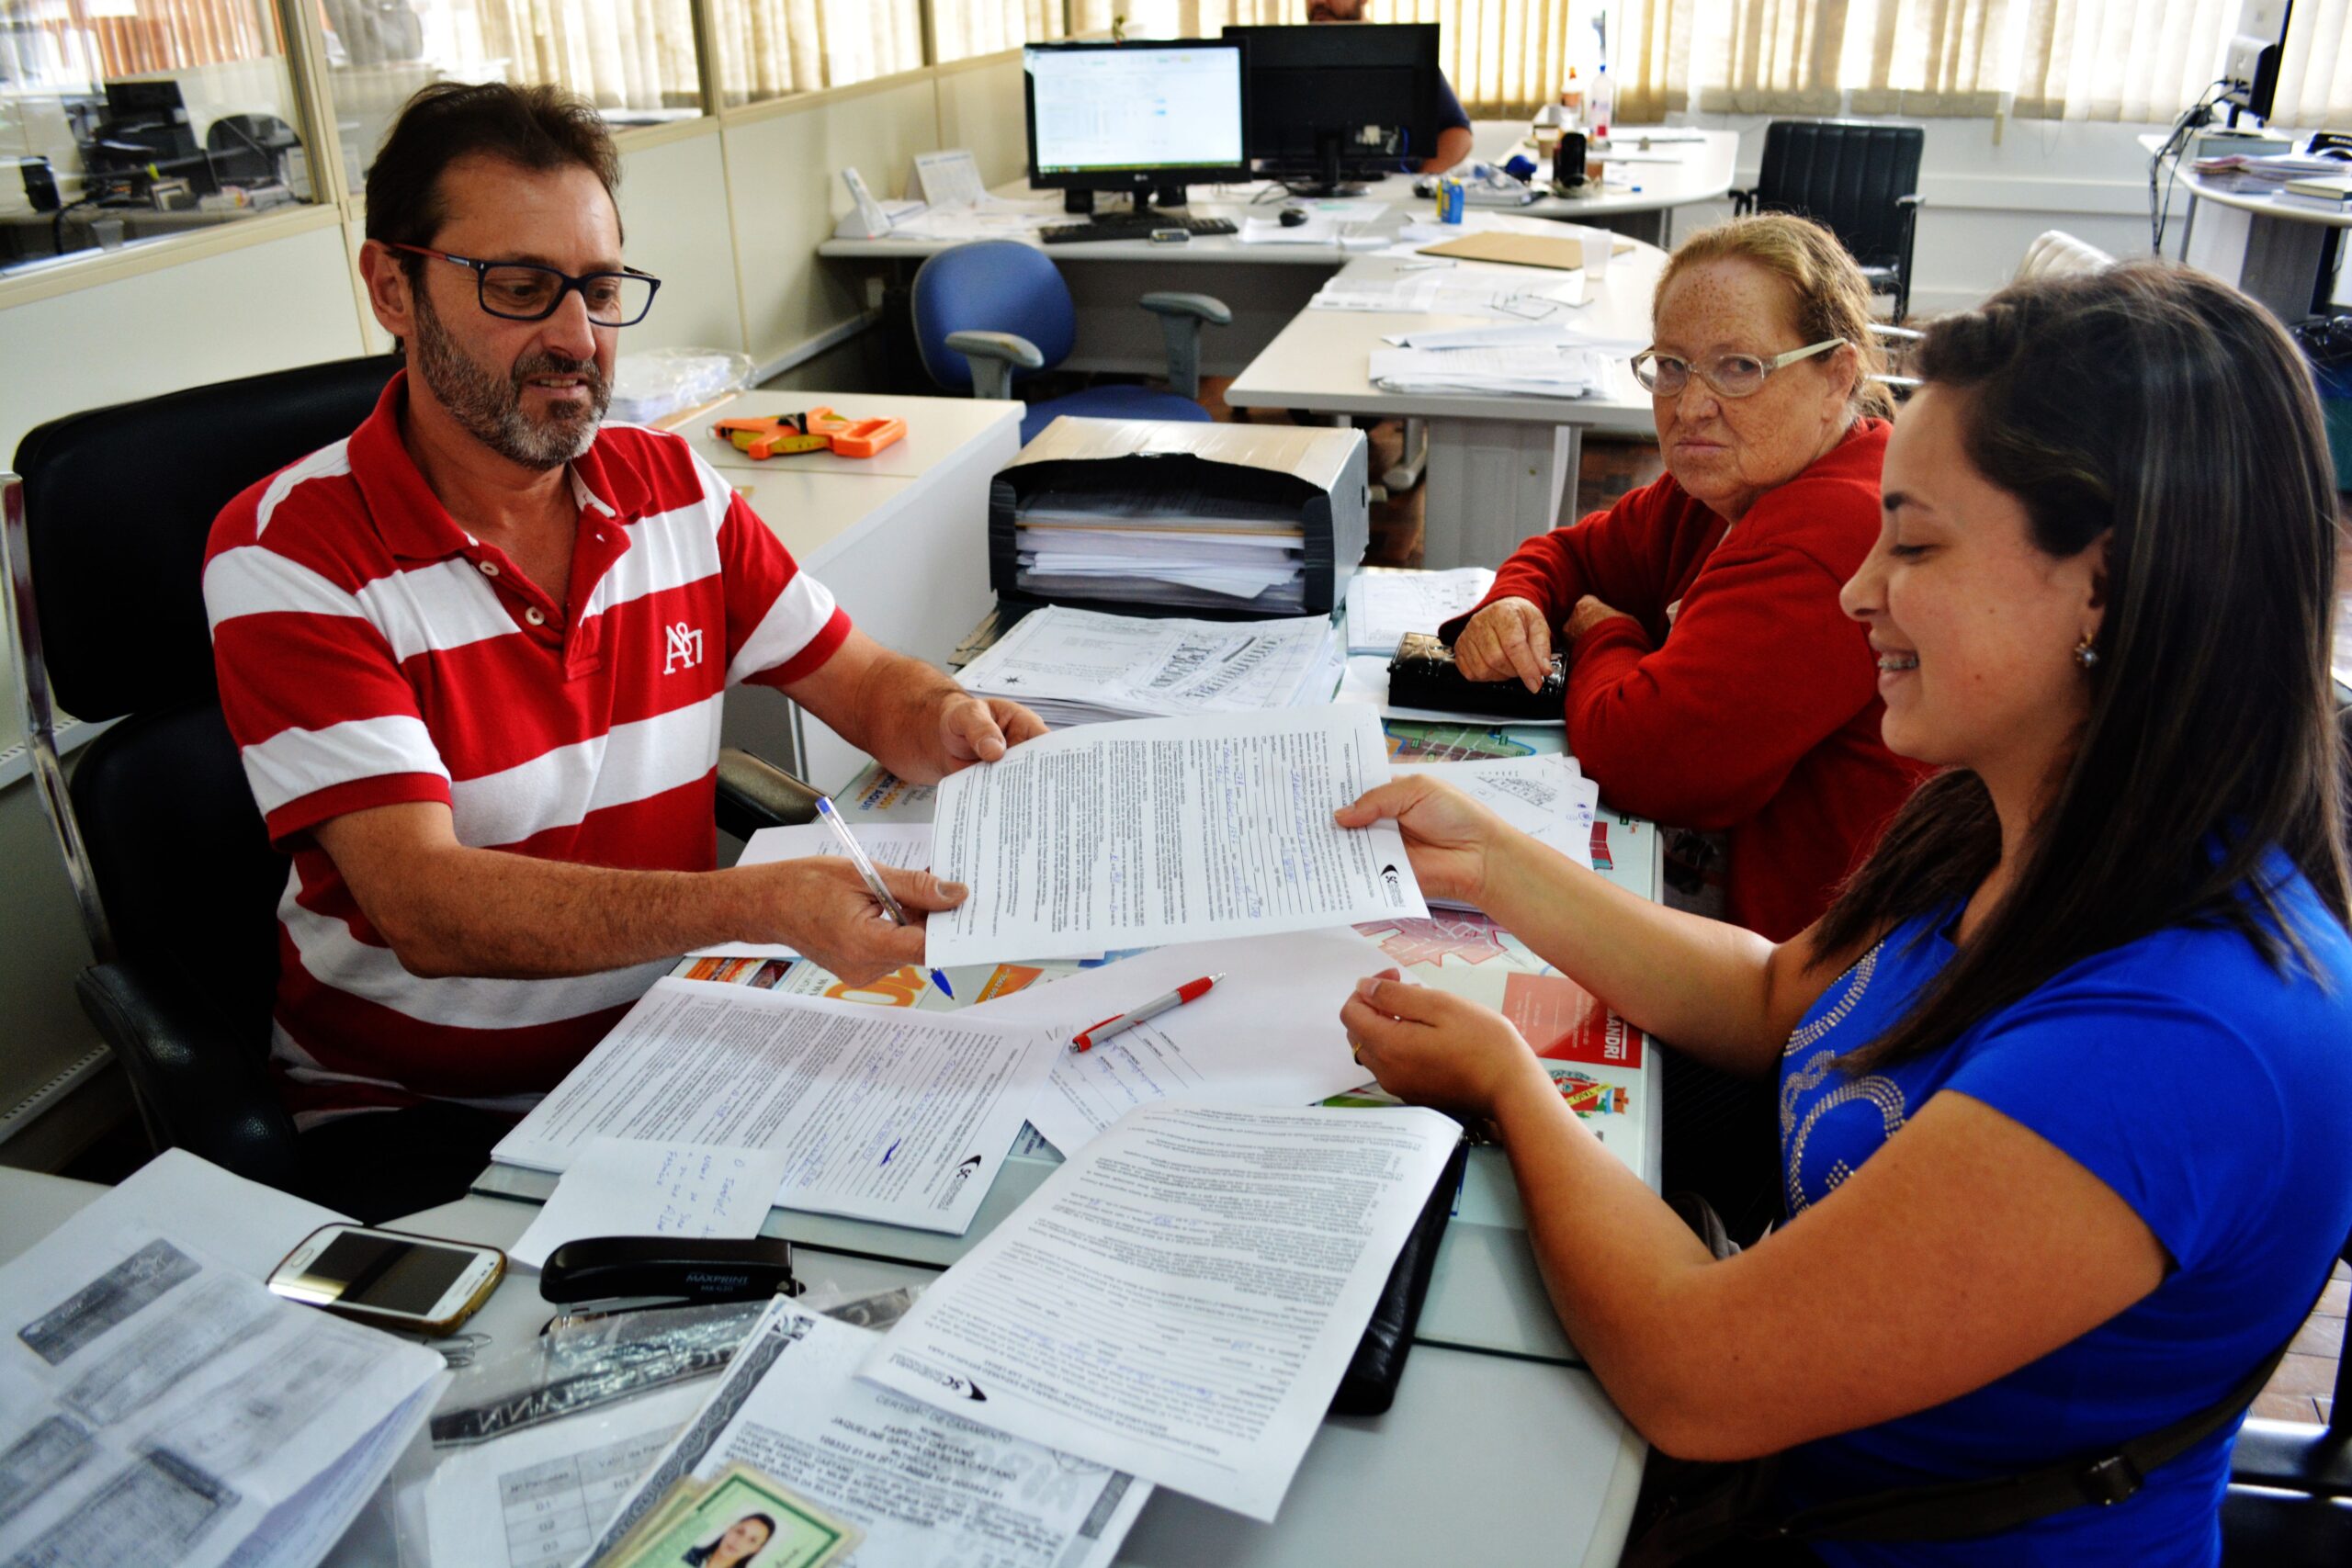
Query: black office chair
{"type": "Point", "coordinates": [176, 881]}
{"type": "Point", "coordinates": [1858, 180]}
{"type": "Point", "coordinates": [2290, 1503]}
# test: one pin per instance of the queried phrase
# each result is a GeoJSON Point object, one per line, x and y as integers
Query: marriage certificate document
{"type": "Point", "coordinates": [1154, 831]}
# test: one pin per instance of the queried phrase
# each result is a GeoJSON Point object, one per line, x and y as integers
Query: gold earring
{"type": "Point", "coordinates": [2085, 654]}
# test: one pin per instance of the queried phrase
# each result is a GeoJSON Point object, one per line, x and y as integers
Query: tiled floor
{"type": "Point", "coordinates": [2303, 1388]}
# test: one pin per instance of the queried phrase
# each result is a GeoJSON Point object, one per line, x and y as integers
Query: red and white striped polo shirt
{"type": "Point", "coordinates": [370, 652]}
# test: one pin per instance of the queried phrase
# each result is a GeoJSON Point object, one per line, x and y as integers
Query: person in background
{"type": "Point", "coordinates": [2063, 1073]}
{"type": "Point", "coordinates": [1452, 122]}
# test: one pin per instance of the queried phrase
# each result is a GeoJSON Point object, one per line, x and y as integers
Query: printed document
{"type": "Point", "coordinates": [1267, 1035]}
{"type": "Point", "coordinates": [1164, 831]}
{"type": "Point", "coordinates": [928, 1486]}
{"type": "Point", "coordinates": [629, 1187]}
{"type": "Point", "coordinates": [903, 845]}
{"type": "Point", "coordinates": [882, 1113]}
{"type": "Point", "coordinates": [1074, 666]}
{"type": "Point", "coordinates": [538, 1498]}
{"type": "Point", "coordinates": [159, 1406]}
{"type": "Point", "coordinates": [1181, 1298]}
{"type": "Point", "coordinates": [1383, 607]}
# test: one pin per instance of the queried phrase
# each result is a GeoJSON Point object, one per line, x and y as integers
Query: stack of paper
{"type": "Point", "coordinates": [1179, 547]}
{"type": "Point", "coordinates": [1079, 666]}
{"type": "Point", "coordinates": [1510, 294]}
{"type": "Point", "coordinates": [1558, 369]}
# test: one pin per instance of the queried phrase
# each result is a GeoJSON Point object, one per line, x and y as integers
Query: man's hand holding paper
{"type": "Point", "coordinates": [1164, 831]}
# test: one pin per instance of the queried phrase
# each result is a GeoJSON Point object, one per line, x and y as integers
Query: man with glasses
{"type": "Point", "coordinates": [473, 656]}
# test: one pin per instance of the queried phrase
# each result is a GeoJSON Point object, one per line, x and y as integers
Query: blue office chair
{"type": "Point", "coordinates": [990, 314]}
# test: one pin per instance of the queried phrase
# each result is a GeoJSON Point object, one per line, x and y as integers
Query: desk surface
{"type": "Point", "coordinates": [1682, 172]}
{"type": "Point", "coordinates": [1318, 362]}
{"type": "Point", "coordinates": [2262, 199]}
{"type": "Point", "coordinates": [1502, 1461]}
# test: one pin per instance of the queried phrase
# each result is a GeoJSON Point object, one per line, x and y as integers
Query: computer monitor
{"type": "Point", "coordinates": [1340, 98]}
{"type": "Point", "coordinates": [1148, 118]}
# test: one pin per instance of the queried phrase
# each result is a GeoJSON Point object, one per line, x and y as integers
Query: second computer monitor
{"type": "Point", "coordinates": [1142, 118]}
{"type": "Point", "coordinates": [1341, 97]}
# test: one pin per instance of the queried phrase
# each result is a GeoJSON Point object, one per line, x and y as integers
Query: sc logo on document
{"type": "Point", "coordinates": [1390, 880]}
{"type": "Point", "coordinates": [684, 648]}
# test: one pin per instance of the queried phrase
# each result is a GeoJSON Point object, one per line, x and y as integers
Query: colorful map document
{"type": "Point", "coordinates": [1164, 831]}
{"type": "Point", "coordinates": [882, 1113]}
{"type": "Point", "coordinates": [1180, 1299]}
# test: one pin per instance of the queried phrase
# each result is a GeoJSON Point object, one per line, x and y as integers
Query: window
{"type": "Point", "coordinates": [964, 29]}
{"type": "Point", "coordinates": [772, 48]}
{"type": "Point", "coordinates": [633, 58]}
{"type": "Point", "coordinates": [126, 121]}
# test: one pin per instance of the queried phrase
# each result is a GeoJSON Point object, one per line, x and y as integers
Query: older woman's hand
{"type": "Point", "coordinates": [1447, 834]}
{"type": "Point", "coordinates": [1508, 637]}
{"type": "Point", "coordinates": [1431, 1047]}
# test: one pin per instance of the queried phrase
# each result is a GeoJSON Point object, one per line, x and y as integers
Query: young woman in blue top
{"type": "Point", "coordinates": [2064, 1073]}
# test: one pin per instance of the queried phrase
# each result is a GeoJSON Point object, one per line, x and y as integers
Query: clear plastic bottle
{"type": "Point", "coordinates": [1599, 105]}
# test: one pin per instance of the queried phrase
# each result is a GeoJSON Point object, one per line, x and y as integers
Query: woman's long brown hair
{"type": "Point", "coordinates": [2169, 413]}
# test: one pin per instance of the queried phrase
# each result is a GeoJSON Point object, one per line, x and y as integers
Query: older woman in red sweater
{"type": "Point", "coordinates": [1713, 683]}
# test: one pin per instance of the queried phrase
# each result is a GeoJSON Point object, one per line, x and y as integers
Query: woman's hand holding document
{"type": "Point", "coordinates": [1181, 1300]}
{"type": "Point", "coordinates": [1164, 831]}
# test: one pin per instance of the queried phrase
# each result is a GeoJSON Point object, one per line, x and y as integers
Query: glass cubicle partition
{"type": "Point", "coordinates": [633, 58]}
{"type": "Point", "coordinates": [774, 49]}
{"type": "Point", "coordinates": [127, 121]}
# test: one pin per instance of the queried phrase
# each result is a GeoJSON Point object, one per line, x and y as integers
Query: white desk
{"type": "Point", "coordinates": [2281, 252]}
{"type": "Point", "coordinates": [1483, 1458]}
{"type": "Point", "coordinates": [1267, 285]}
{"type": "Point", "coordinates": [900, 539]}
{"type": "Point", "coordinates": [1501, 466]}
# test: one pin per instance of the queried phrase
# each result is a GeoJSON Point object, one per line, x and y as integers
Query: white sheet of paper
{"type": "Point", "coordinates": [1163, 830]}
{"type": "Point", "coordinates": [929, 1487]}
{"type": "Point", "coordinates": [948, 177]}
{"type": "Point", "coordinates": [241, 1223]}
{"type": "Point", "coordinates": [1183, 1296]}
{"type": "Point", "coordinates": [1267, 1035]}
{"type": "Point", "coordinates": [1383, 607]}
{"type": "Point", "coordinates": [538, 1497]}
{"type": "Point", "coordinates": [882, 1113]}
{"type": "Point", "coordinates": [624, 1186]}
{"type": "Point", "coordinates": [904, 845]}
{"type": "Point", "coordinates": [159, 1406]}
{"type": "Point", "coordinates": [1133, 666]}
{"type": "Point", "coordinates": [1547, 797]}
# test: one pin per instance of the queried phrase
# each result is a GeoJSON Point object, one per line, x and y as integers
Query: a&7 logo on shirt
{"type": "Point", "coordinates": [686, 648]}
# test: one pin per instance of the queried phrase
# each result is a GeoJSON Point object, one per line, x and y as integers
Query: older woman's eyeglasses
{"type": "Point", "coordinates": [1732, 375]}
{"type": "Point", "coordinates": [525, 291]}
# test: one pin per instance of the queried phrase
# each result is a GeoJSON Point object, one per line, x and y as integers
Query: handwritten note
{"type": "Point", "coordinates": [628, 1187]}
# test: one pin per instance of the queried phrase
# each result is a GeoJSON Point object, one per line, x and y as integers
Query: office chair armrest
{"type": "Point", "coordinates": [1181, 316]}
{"type": "Point", "coordinates": [201, 1089]}
{"type": "Point", "coordinates": [1742, 202]}
{"type": "Point", "coordinates": [1205, 306]}
{"type": "Point", "coordinates": [994, 357]}
{"type": "Point", "coordinates": [2293, 1457]}
{"type": "Point", "coordinates": [753, 793]}
{"type": "Point", "coordinates": [1914, 199]}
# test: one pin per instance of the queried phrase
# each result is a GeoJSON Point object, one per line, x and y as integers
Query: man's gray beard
{"type": "Point", "coordinates": [492, 409]}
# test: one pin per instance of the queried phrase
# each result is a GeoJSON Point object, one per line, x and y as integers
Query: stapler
{"type": "Point", "coordinates": [667, 1270]}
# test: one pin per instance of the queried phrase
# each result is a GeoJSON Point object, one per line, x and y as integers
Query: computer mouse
{"type": "Point", "coordinates": [1292, 217]}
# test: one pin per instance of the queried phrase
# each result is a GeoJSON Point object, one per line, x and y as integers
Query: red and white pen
{"type": "Point", "coordinates": [1190, 991]}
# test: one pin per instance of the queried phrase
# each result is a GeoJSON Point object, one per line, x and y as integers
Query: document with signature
{"type": "Point", "coordinates": [1179, 1299]}
{"type": "Point", "coordinates": [1165, 831]}
{"type": "Point", "coordinates": [882, 1113]}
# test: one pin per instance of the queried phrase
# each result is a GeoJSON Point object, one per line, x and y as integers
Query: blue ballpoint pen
{"type": "Point", "coordinates": [874, 882]}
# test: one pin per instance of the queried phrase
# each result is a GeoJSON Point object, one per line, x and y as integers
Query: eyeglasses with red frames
{"type": "Point", "coordinates": [525, 291]}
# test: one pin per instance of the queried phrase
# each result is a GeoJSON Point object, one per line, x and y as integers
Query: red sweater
{"type": "Point", "coordinates": [1760, 713]}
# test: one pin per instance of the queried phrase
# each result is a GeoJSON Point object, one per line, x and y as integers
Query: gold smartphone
{"type": "Point", "coordinates": [420, 1284]}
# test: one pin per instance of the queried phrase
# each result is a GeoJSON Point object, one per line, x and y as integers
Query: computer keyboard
{"type": "Point", "coordinates": [1123, 227]}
